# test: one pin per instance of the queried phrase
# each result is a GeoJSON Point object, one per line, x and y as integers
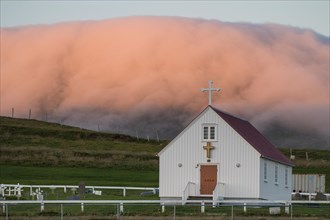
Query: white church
{"type": "Point", "coordinates": [221, 156]}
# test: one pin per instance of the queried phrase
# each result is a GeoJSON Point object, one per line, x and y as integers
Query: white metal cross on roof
{"type": "Point", "coordinates": [210, 89]}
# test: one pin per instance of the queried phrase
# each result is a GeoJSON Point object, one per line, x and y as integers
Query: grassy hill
{"type": "Point", "coordinates": [36, 152]}
{"type": "Point", "coordinates": [36, 143]}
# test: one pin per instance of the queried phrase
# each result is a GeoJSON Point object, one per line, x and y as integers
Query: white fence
{"type": "Point", "coordinates": [17, 189]}
{"type": "Point", "coordinates": [163, 203]}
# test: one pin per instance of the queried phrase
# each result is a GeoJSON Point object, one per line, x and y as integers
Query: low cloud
{"type": "Point", "coordinates": [144, 74]}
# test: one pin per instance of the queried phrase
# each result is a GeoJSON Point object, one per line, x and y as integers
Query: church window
{"type": "Point", "coordinates": [212, 133]}
{"type": "Point", "coordinates": [206, 133]}
{"type": "Point", "coordinates": [276, 174]}
{"type": "Point", "coordinates": [286, 176]}
{"type": "Point", "coordinates": [265, 171]}
{"type": "Point", "coordinates": [209, 132]}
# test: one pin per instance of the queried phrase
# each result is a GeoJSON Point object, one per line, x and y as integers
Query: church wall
{"type": "Point", "coordinates": [239, 164]}
{"type": "Point", "coordinates": [241, 181]}
{"type": "Point", "coordinates": [186, 150]}
{"type": "Point", "coordinates": [269, 189]}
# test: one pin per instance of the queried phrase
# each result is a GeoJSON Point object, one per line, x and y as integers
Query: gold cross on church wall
{"type": "Point", "coordinates": [208, 149]}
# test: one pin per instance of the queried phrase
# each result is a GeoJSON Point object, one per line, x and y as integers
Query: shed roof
{"type": "Point", "coordinates": [254, 137]}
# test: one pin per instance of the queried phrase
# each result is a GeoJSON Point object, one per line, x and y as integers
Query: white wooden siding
{"type": "Point", "coordinates": [269, 189]}
{"type": "Point", "coordinates": [230, 149]}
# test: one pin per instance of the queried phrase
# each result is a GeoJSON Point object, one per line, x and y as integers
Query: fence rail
{"type": "Point", "coordinates": [16, 189]}
{"type": "Point", "coordinates": [163, 203]}
{"type": "Point", "coordinates": [167, 202]}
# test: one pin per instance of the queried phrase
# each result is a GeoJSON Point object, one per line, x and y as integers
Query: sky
{"type": "Point", "coordinates": [304, 14]}
{"type": "Point", "coordinates": [138, 66]}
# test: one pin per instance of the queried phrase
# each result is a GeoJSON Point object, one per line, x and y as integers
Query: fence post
{"type": "Point", "coordinates": [202, 206]}
{"type": "Point", "coordinates": [61, 211]}
{"type": "Point", "coordinates": [163, 207]}
{"type": "Point", "coordinates": [121, 208]}
{"type": "Point", "coordinates": [232, 212]}
{"type": "Point", "coordinates": [82, 207]}
{"type": "Point", "coordinates": [287, 210]}
{"type": "Point", "coordinates": [244, 208]}
{"type": "Point", "coordinates": [174, 212]}
{"type": "Point", "coordinates": [42, 206]}
{"type": "Point", "coordinates": [291, 210]}
{"type": "Point", "coordinates": [3, 190]}
{"type": "Point", "coordinates": [19, 192]}
{"type": "Point", "coordinates": [118, 213]}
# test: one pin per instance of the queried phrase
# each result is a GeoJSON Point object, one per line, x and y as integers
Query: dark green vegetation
{"type": "Point", "coordinates": [35, 143]}
{"type": "Point", "coordinates": [72, 176]}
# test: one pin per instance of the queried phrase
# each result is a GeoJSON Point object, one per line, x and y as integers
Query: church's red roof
{"type": "Point", "coordinates": [254, 138]}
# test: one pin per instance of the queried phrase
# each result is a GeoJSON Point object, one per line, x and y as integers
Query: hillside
{"type": "Point", "coordinates": [36, 143]}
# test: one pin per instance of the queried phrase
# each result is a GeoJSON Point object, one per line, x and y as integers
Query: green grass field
{"type": "Point", "coordinates": [72, 176]}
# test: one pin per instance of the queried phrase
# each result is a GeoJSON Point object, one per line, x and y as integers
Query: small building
{"type": "Point", "coordinates": [222, 156]}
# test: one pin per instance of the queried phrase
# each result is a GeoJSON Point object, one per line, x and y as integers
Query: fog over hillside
{"type": "Point", "coordinates": [142, 75]}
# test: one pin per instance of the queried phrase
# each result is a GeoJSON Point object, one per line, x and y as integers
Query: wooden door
{"type": "Point", "coordinates": [208, 179]}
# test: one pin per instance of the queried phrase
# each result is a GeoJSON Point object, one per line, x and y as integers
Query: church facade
{"type": "Point", "coordinates": [224, 157]}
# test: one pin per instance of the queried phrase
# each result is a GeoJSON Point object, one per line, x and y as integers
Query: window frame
{"type": "Point", "coordinates": [208, 129]}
